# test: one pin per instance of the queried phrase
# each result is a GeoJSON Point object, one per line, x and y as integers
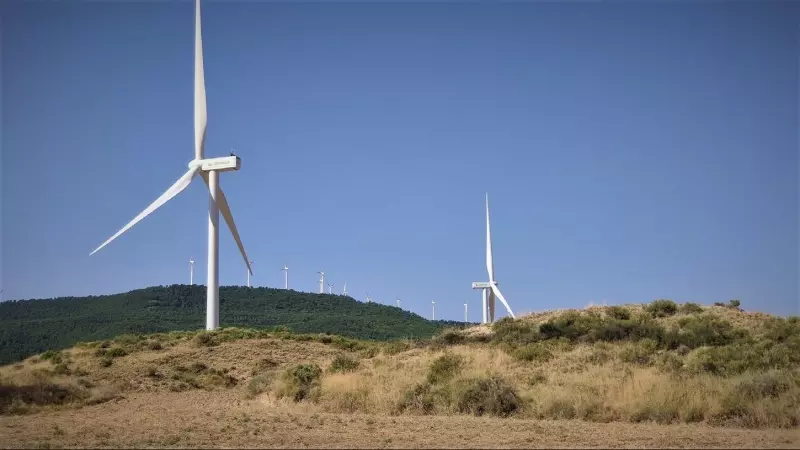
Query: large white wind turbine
{"type": "Point", "coordinates": [248, 273]}
{"type": "Point", "coordinates": [344, 291]}
{"type": "Point", "coordinates": [489, 289]}
{"type": "Point", "coordinates": [286, 276]}
{"type": "Point", "coordinates": [209, 170]}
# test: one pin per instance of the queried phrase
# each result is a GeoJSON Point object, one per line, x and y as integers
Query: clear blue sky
{"type": "Point", "coordinates": [631, 151]}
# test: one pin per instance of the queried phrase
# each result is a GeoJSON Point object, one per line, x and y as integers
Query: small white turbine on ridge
{"type": "Point", "coordinates": [330, 288]}
{"type": "Point", "coordinates": [489, 289]}
{"type": "Point", "coordinates": [209, 170]}
{"type": "Point", "coordinates": [433, 304]}
{"type": "Point", "coordinates": [191, 272]}
{"type": "Point", "coordinates": [285, 276]}
{"type": "Point", "coordinates": [321, 282]}
{"type": "Point", "coordinates": [248, 274]}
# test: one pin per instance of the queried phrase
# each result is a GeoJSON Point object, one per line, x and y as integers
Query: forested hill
{"type": "Point", "coordinates": [28, 327]}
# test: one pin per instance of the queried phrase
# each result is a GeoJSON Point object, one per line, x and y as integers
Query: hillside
{"type": "Point", "coordinates": [28, 327]}
{"type": "Point", "coordinates": [656, 375]}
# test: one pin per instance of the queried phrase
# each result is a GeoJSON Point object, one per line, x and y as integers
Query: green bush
{"type": "Point", "coordinates": [618, 312]}
{"type": "Point", "coordinates": [515, 331]}
{"type": "Point", "coordinates": [662, 308]}
{"type": "Point", "coordinates": [56, 357]}
{"type": "Point", "coordinates": [450, 337]}
{"type": "Point", "coordinates": [302, 382]}
{"type": "Point", "coordinates": [445, 368]}
{"type": "Point", "coordinates": [491, 396]}
{"type": "Point", "coordinates": [420, 398]}
{"type": "Point", "coordinates": [738, 358]}
{"type": "Point", "coordinates": [395, 347]}
{"type": "Point", "coordinates": [533, 352]}
{"type": "Point", "coordinates": [704, 330]}
{"type": "Point", "coordinates": [258, 385]}
{"type": "Point", "coordinates": [691, 308]}
{"type": "Point", "coordinates": [343, 364]}
{"type": "Point", "coordinates": [640, 352]}
{"type": "Point", "coordinates": [205, 339]}
{"type": "Point", "coordinates": [116, 352]}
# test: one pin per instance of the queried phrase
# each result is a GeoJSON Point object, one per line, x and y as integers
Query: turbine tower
{"type": "Point", "coordinates": [285, 276]}
{"type": "Point", "coordinates": [465, 312]}
{"type": "Point", "coordinates": [209, 170]}
{"type": "Point", "coordinates": [321, 282]}
{"type": "Point", "coordinates": [330, 288]}
{"type": "Point", "coordinates": [369, 299]}
{"type": "Point", "coordinates": [344, 291]}
{"type": "Point", "coordinates": [191, 272]}
{"type": "Point", "coordinates": [248, 274]}
{"type": "Point", "coordinates": [489, 290]}
{"type": "Point", "coordinates": [433, 304]}
{"type": "Point", "coordinates": [398, 302]}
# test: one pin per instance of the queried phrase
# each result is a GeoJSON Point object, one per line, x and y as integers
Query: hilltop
{"type": "Point", "coordinates": [659, 374]}
{"type": "Point", "coordinates": [28, 327]}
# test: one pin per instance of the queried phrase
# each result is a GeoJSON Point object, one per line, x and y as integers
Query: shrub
{"type": "Point", "coordinates": [738, 358]}
{"type": "Point", "coordinates": [343, 364]}
{"type": "Point", "coordinates": [450, 337]}
{"type": "Point", "coordinates": [301, 382]}
{"type": "Point", "coordinates": [56, 357]}
{"type": "Point", "coordinates": [205, 339]}
{"type": "Point", "coordinates": [491, 396]}
{"type": "Point", "coordinates": [115, 352]}
{"type": "Point", "coordinates": [395, 347]}
{"type": "Point", "coordinates": [515, 331]}
{"type": "Point", "coordinates": [61, 369]}
{"type": "Point", "coordinates": [258, 385]}
{"type": "Point", "coordinates": [691, 308]}
{"type": "Point", "coordinates": [106, 362]}
{"type": "Point", "coordinates": [533, 352]}
{"type": "Point", "coordinates": [639, 352]}
{"type": "Point", "coordinates": [734, 304]}
{"type": "Point", "coordinates": [444, 368]}
{"type": "Point", "coordinates": [41, 393]}
{"type": "Point", "coordinates": [619, 312]}
{"type": "Point", "coordinates": [662, 308]}
{"type": "Point", "coordinates": [154, 345]}
{"type": "Point", "coordinates": [419, 398]}
{"type": "Point", "coordinates": [705, 330]}
{"type": "Point", "coordinates": [263, 365]}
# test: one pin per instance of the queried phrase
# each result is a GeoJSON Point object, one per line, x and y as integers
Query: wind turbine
{"type": "Point", "coordinates": [489, 289]}
{"type": "Point", "coordinates": [369, 299]}
{"type": "Point", "coordinates": [433, 304]}
{"type": "Point", "coordinates": [398, 302]}
{"type": "Point", "coordinates": [209, 170]}
{"type": "Point", "coordinates": [321, 282]}
{"type": "Point", "coordinates": [344, 291]}
{"type": "Point", "coordinates": [285, 276]}
{"type": "Point", "coordinates": [191, 272]}
{"type": "Point", "coordinates": [248, 274]}
{"type": "Point", "coordinates": [465, 312]}
{"type": "Point", "coordinates": [330, 288]}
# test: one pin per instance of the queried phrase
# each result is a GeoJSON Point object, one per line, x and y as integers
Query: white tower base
{"type": "Point", "coordinates": [212, 292]}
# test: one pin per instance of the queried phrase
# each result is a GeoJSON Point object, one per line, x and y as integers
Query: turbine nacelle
{"type": "Point", "coordinates": [221, 164]}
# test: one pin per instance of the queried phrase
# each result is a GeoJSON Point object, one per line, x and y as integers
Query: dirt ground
{"type": "Point", "coordinates": [222, 419]}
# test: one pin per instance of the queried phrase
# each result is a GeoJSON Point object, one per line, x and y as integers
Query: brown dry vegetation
{"type": "Point", "coordinates": [541, 380]}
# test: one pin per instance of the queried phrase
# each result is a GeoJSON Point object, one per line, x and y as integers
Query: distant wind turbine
{"type": "Point", "coordinates": [465, 312]}
{"type": "Point", "coordinates": [433, 304]}
{"type": "Point", "coordinates": [191, 272]}
{"type": "Point", "coordinates": [209, 170]}
{"type": "Point", "coordinates": [369, 299]}
{"type": "Point", "coordinates": [330, 288]}
{"type": "Point", "coordinates": [321, 282]}
{"type": "Point", "coordinates": [490, 289]}
{"type": "Point", "coordinates": [398, 302]}
{"type": "Point", "coordinates": [285, 276]}
{"type": "Point", "coordinates": [344, 291]}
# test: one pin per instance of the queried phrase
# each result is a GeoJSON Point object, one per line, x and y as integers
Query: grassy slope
{"type": "Point", "coordinates": [33, 326]}
{"type": "Point", "coordinates": [716, 366]}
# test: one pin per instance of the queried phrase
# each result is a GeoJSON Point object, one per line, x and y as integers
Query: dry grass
{"type": "Point", "coordinates": [621, 387]}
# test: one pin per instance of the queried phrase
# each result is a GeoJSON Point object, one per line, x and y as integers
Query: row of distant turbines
{"type": "Point", "coordinates": [209, 170]}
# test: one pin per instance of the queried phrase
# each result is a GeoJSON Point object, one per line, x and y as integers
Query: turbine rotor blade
{"type": "Point", "coordinates": [489, 260]}
{"type": "Point", "coordinates": [174, 190]}
{"type": "Point", "coordinates": [503, 300]}
{"type": "Point", "coordinates": [225, 210]}
{"type": "Point", "coordinates": [200, 112]}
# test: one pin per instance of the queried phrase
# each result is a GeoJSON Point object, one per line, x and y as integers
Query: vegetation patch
{"type": "Point", "coordinates": [343, 364]}
{"type": "Point", "coordinates": [301, 382]}
{"type": "Point", "coordinates": [491, 396]}
{"type": "Point", "coordinates": [445, 368]}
